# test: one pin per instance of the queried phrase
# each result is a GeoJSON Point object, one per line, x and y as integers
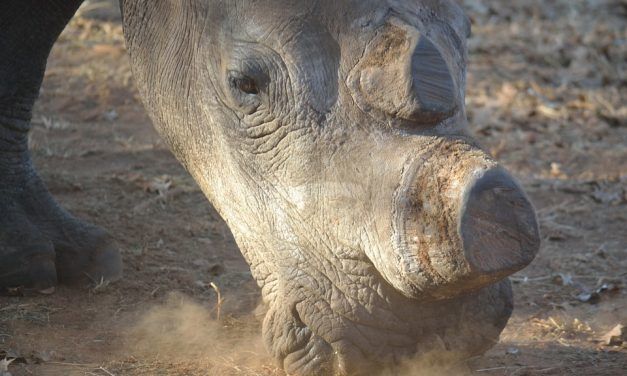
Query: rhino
{"type": "Point", "coordinates": [331, 136]}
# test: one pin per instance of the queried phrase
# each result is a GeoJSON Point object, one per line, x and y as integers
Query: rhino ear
{"type": "Point", "coordinates": [121, 5]}
{"type": "Point", "coordinates": [162, 39]}
{"type": "Point", "coordinates": [467, 27]}
{"type": "Point", "coordinates": [459, 20]}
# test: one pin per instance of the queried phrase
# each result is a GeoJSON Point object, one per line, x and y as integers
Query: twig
{"type": "Point", "coordinates": [72, 364]}
{"type": "Point", "coordinates": [219, 304]}
{"type": "Point", "coordinates": [18, 306]}
{"type": "Point", "coordinates": [105, 371]}
{"type": "Point", "coordinates": [502, 368]}
{"type": "Point", "coordinates": [492, 369]}
{"type": "Point", "coordinates": [547, 369]}
{"type": "Point", "coordinates": [544, 278]}
{"type": "Point", "coordinates": [153, 292]}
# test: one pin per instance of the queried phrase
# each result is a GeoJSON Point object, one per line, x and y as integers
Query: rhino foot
{"type": "Point", "coordinates": [41, 244]}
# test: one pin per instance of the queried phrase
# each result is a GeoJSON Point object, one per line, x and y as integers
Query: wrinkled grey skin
{"type": "Point", "coordinates": [311, 172]}
{"type": "Point", "coordinates": [331, 137]}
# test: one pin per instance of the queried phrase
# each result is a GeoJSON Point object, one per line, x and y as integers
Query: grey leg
{"type": "Point", "coordinates": [40, 243]}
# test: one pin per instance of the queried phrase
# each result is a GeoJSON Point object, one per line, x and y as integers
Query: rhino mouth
{"type": "Point", "coordinates": [307, 341]}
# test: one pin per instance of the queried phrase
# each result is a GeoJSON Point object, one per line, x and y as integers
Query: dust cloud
{"type": "Point", "coordinates": [184, 337]}
{"type": "Point", "coordinates": [435, 363]}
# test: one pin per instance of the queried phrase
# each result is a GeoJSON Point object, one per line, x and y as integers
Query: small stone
{"type": "Point", "coordinates": [589, 297]}
{"type": "Point", "coordinates": [556, 170]}
{"type": "Point", "coordinates": [512, 351]}
{"type": "Point", "coordinates": [137, 250]}
{"type": "Point", "coordinates": [48, 291]}
{"type": "Point", "coordinates": [110, 115]}
{"type": "Point", "coordinates": [608, 287]}
{"type": "Point", "coordinates": [40, 357]}
{"type": "Point", "coordinates": [562, 279]}
{"type": "Point", "coordinates": [201, 263]}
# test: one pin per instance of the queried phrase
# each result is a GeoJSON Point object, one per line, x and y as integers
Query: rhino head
{"type": "Point", "coordinates": [331, 136]}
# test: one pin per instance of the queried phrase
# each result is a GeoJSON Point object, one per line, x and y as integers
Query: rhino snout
{"type": "Point", "coordinates": [458, 230]}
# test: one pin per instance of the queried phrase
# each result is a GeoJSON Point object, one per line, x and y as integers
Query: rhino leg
{"type": "Point", "coordinates": [40, 243]}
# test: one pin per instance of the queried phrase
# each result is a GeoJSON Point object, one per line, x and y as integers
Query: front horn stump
{"type": "Point", "coordinates": [477, 230]}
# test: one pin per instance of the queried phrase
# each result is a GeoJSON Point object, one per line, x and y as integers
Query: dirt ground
{"type": "Point", "coordinates": [547, 92]}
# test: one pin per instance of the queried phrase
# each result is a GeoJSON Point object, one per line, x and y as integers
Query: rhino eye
{"type": "Point", "coordinates": [246, 85]}
{"type": "Point", "coordinates": [244, 91]}
{"type": "Point", "coordinates": [243, 83]}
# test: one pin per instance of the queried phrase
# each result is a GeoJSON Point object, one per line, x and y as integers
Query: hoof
{"type": "Point", "coordinates": [42, 244]}
{"type": "Point", "coordinates": [28, 273]}
{"type": "Point", "coordinates": [90, 255]}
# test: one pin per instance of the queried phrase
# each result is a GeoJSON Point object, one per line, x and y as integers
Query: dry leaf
{"type": "Point", "coordinates": [615, 337]}
{"type": "Point", "coordinates": [4, 367]}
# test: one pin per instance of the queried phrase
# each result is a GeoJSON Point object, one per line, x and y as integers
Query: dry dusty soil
{"type": "Point", "coordinates": [547, 94]}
